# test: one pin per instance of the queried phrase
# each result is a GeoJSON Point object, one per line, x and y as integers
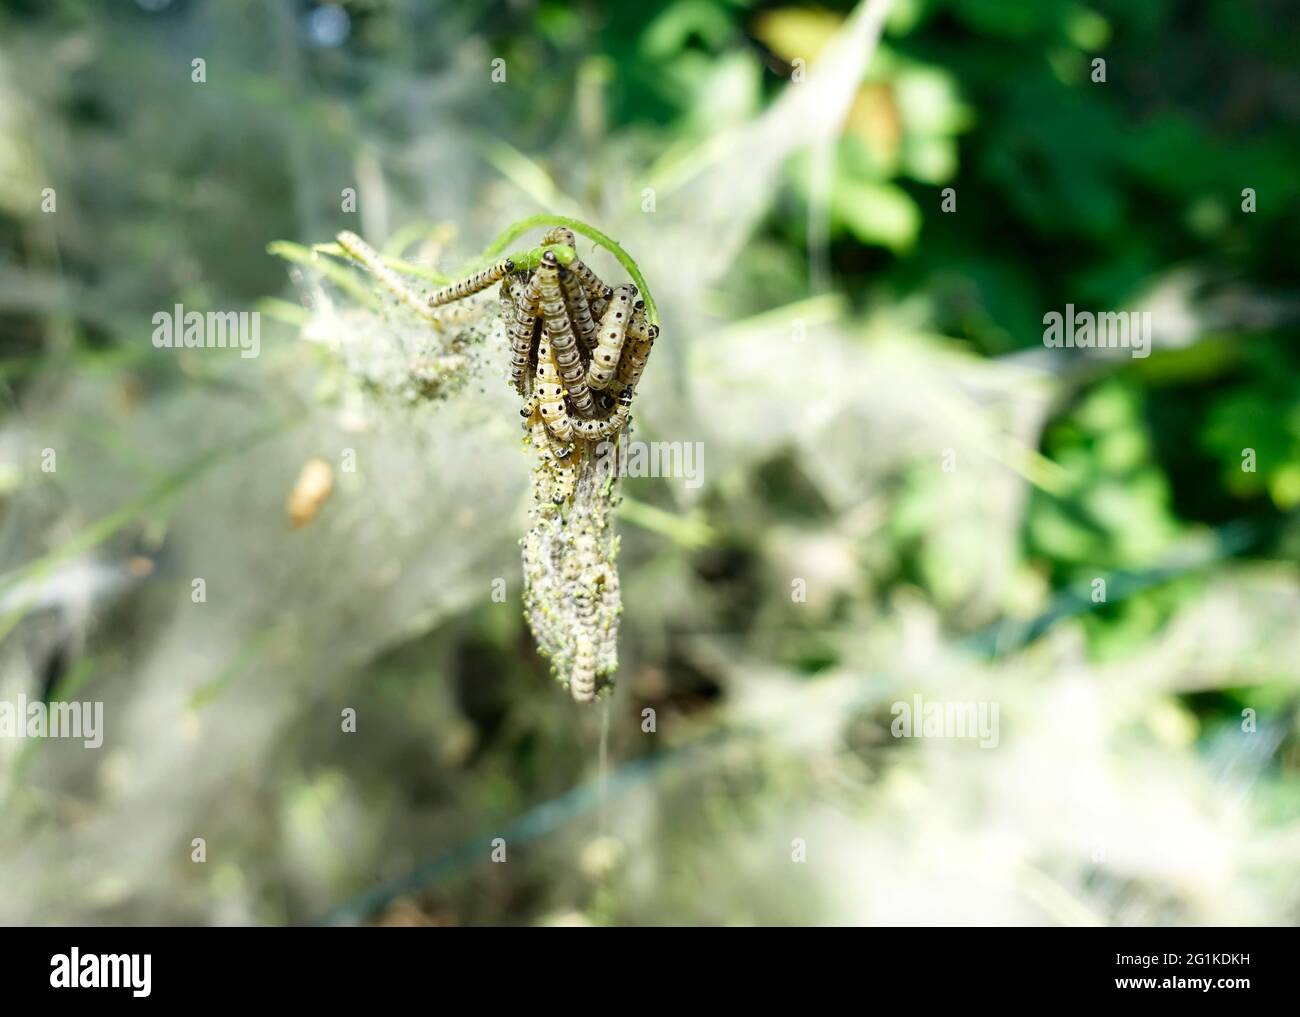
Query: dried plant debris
{"type": "Point", "coordinates": [403, 351]}
{"type": "Point", "coordinates": [578, 348]}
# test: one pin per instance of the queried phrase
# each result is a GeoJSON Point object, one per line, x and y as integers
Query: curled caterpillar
{"type": "Point", "coordinates": [598, 430]}
{"type": "Point", "coordinates": [560, 235]}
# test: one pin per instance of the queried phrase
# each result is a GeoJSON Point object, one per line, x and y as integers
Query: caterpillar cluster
{"type": "Point", "coordinates": [578, 348]}
{"type": "Point", "coordinates": [577, 351]}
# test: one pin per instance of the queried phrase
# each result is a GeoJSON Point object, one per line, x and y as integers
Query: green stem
{"type": "Point", "coordinates": [527, 261]}
{"type": "Point", "coordinates": [518, 229]}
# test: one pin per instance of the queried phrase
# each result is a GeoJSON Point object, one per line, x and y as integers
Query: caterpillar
{"type": "Point", "coordinates": [558, 462]}
{"type": "Point", "coordinates": [585, 277]}
{"type": "Point", "coordinates": [529, 409]}
{"type": "Point", "coordinates": [638, 327]}
{"type": "Point", "coordinates": [508, 301]}
{"type": "Point", "coordinates": [584, 325]}
{"type": "Point", "coordinates": [596, 430]}
{"type": "Point", "coordinates": [635, 354]}
{"type": "Point", "coordinates": [550, 392]}
{"type": "Point", "coordinates": [564, 347]}
{"type": "Point", "coordinates": [601, 304]}
{"type": "Point", "coordinates": [556, 459]}
{"type": "Point", "coordinates": [523, 330]}
{"type": "Point", "coordinates": [609, 344]}
{"type": "Point", "coordinates": [560, 235]}
{"type": "Point", "coordinates": [589, 281]}
{"type": "Point", "coordinates": [582, 682]}
{"type": "Point", "coordinates": [476, 283]}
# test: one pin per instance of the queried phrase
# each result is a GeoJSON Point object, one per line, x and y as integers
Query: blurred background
{"type": "Point", "coordinates": [904, 492]}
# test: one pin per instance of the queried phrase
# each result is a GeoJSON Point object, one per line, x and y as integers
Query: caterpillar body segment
{"type": "Point", "coordinates": [583, 278]}
{"type": "Point", "coordinates": [476, 283]}
{"type": "Point", "coordinates": [609, 341]}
